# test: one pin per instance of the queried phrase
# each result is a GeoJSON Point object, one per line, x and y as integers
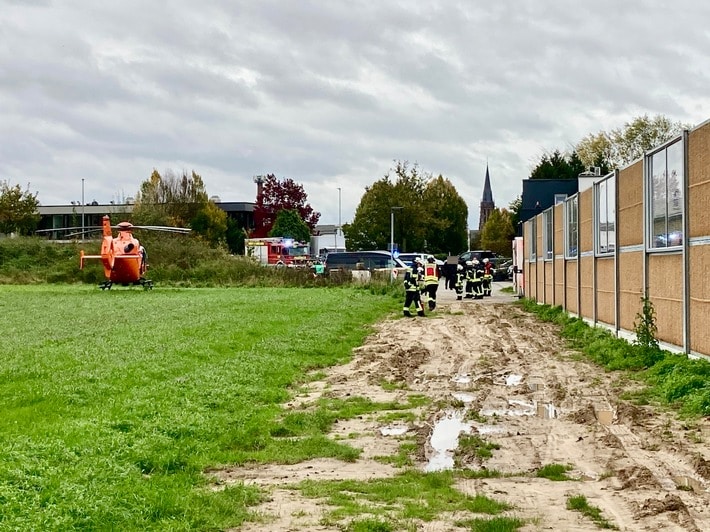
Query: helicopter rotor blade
{"type": "Point", "coordinates": [85, 228]}
{"type": "Point", "coordinates": [81, 233]}
{"type": "Point", "coordinates": [165, 228]}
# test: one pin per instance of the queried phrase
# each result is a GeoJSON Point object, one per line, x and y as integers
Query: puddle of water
{"type": "Point", "coordinates": [546, 411]}
{"type": "Point", "coordinates": [445, 439]}
{"type": "Point", "coordinates": [605, 417]}
{"type": "Point", "coordinates": [394, 430]}
{"type": "Point", "coordinates": [464, 397]}
{"type": "Point", "coordinates": [689, 483]}
{"type": "Point", "coordinates": [513, 380]}
{"type": "Point", "coordinates": [462, 379]}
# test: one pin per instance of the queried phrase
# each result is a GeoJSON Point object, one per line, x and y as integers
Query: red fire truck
{"type": "Point", "coordinates": [277, 251]}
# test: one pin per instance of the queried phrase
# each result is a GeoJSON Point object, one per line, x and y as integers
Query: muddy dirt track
{"type": "Point", "coordinates": [492, 370]}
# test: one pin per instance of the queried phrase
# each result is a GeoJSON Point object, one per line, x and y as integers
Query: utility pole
{"type": "Point", "coordinates": [82, 209]}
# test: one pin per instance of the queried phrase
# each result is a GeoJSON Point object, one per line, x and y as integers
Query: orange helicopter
{"type": "Point", "coordinates": [124, 259]}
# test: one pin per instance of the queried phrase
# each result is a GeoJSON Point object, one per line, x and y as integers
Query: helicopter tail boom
{"type": "Point", "coordinates": [83, 256]}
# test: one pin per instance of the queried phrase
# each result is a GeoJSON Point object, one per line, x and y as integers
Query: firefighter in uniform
{"type": "Point", "coordinates": [419, 264]}
{"type": "Point", "coordinates": [478, 271]}
{"type": "Point", "coordinates": [469, 273]}
{"type": "Point", "coordinates": [431, 280]}
{"type": "Point", "coordinates": [487, 277]}
{"type": "Point", "coordinates": [460, 279]}
{"type": "Point", "coordinates": [411, 290]}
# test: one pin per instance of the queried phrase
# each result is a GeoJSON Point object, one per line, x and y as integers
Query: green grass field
{"type": "Point", "coordinates": [114, 403]}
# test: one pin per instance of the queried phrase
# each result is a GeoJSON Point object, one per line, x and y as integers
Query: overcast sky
{"type": "Point", "coordinates": [330, 93]}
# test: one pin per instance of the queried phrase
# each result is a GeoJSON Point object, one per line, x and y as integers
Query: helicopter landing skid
{"type": "Point", "coordinates": [147, 284]}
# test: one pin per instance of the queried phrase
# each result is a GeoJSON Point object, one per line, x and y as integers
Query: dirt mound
{"type": "Point", "coordinates": [584, 415]}
{"type": "Point", "coordinates": [631, 415]}
{"type": "Point", "coordinates": [637, 477]}
{"type": "Point", "coordinates": [702, 467]}
{"type": "Point", "coordinates": [404, 362]}
{"type": "Point", "coordinates": [670, 503]}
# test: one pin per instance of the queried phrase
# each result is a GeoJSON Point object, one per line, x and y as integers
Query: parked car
{"type": "Point", "coordinates": [375, 261]}
{"type": "Point", "coordinates": [408, 259]}
{"type": "Point", "coordinates": [501, 269]}
{"type": "Point", "coordinates": [479, 254]}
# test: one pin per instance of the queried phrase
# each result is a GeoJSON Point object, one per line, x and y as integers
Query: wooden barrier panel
{"type": "Point", "coordinates": [699, 182]}
{"type": "Point", "coordinates": [699, 259]}
{"type": "Point", "coordinates": [549, 282]}
{"type": "Point", "coordinates": [630, 287]}
{"type": "Point", "coordinates": [586, 289]}
{"type": "Point", "coordinates": [606, 297]}
{"type": "Point", "coordinates": [559, 267]}
{"type": "Point", "coordinates": [571, 288]}
{"type": "Point", "coordinates": [665, 290]}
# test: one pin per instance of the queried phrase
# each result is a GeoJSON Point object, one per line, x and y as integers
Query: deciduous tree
{"type": "Point", "coordinates": [622, 146]}
{"type": "Point", "coordinates": [290, 224]}
{"type": "Point", "coordinates": [498, 232]}
{"type": "Point", "coordinates": [432, 216]}
{"type": "Point", "coordinates": [169, 199]}
{"type": "Point", "coordinates": [277, 195]}
{"type": "Point", "coordinates": [446, 230]}
{"type": "Point", "coordinates": [18, 209]}
{"type": "Point", "coordinates": [211, 224]}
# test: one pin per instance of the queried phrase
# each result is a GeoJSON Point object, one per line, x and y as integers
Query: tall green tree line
{"type": "Point", "coordinates": [429, 214]}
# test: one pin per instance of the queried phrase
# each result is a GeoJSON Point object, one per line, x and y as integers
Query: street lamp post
{"type": "Point", "coordinates": [337, 229]}
{"type": "Point", "coordinates": [82, 209]}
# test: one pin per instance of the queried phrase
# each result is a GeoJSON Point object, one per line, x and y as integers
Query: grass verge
{"type": "Point", "coordinates": [580, 504]}
{"type": "Point", "coordinates": [114, 403]}
{"type": "Point", "coordinates": [398, 502]}
{"type": "Point", "coordinates": [555, 472]}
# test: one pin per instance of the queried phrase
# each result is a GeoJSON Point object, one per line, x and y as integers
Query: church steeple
{"type": "Point", "coordinates": [487, 203]}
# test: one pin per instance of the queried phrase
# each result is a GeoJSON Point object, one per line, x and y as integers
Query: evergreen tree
{"type": "Point", "coordinates": [558, 166]}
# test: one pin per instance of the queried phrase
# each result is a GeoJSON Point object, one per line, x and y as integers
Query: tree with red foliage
{"type": "Point", "coordinates": [279, 195]}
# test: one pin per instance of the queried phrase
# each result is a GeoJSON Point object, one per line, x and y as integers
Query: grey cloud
{"type": "Point", "coordinates": [330, 93]}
